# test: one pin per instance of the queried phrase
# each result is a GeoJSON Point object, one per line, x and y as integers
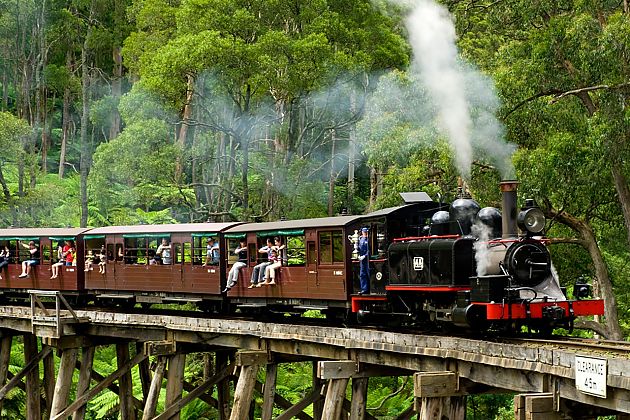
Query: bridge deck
{"type": "Point", "coordinates": [520, 367]}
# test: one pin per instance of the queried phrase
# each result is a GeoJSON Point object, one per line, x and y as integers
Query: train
{"type": "Point", "coordinates": [435, 264]}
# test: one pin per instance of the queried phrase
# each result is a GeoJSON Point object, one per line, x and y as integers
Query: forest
{"type": "Point", "coordinates": [162, 111]}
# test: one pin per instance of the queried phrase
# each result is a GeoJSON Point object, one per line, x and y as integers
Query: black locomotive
{"type": "Point", "coordinates": [471, 268]}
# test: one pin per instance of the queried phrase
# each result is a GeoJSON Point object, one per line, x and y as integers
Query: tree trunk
{"type": "Point", "coordinates": [351, 157]}
{"type": "Point", "coordinates": [244, 174]}
{"type": "Point", "coordinates": [601, 283]}
{"type": "Point", "coordinates": [8, 198]}
{"type": "Point", "coordinates": [5, 90]}
{"type": "Point", "coordinates": [114, 127]}
{"type": "Point", "coordinates": [85, 146]}
{"type": "Point", "coordinates": [331, 179]}
{"type": "Point", "coordinates": [183, 130]}
{"type": "Point", "coordinates": [621, 185]}
{"type": "Point", "coordinates": [65, 116]}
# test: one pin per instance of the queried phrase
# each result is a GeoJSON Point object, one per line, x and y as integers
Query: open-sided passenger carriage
{"type": "Point", "coordinates": [134, 273]}
{"type": "Point", "coordinates": [70, 279]}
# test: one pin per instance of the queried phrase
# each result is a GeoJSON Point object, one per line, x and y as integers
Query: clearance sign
{"type": "Point", "coordinates": [590, 375]}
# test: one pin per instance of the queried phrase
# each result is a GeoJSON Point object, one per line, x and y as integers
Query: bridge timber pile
{"type": "Point", "coordinates": [444, 369]}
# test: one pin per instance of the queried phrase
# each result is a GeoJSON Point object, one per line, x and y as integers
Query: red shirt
{"type": "Point", "coordinates": [68, 251]}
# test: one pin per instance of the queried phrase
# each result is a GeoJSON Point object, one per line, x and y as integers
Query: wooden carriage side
{"type": "Point", "coordinates": [70, 278]}
{"type": "Point", "coordinates": [136, 270]}
{"type": "Point", "coordinates": [317, 272]}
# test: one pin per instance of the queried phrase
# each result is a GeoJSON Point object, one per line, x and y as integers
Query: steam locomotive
{"type": "Point", "coordinates": [472, 269]}
{"type": "Point", "coordinates": [430, 263]}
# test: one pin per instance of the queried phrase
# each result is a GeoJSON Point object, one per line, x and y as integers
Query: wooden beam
{"type": "Point", "coordinates": [335, 395]}
{"type": "Point", "coordinates": [5, 356]}
{"type": "Point", "coordinates": [127, 410]}
{"type": "Point", "coordinates": [359, 398]}
{"type": "Point", "coordinates": [299, 407]}
{"type": "Point", "coordinates": [85, 377]}
{"type": "Point", "coordinates": [535, 406]}
{"type": "Point", "coordinates": [269, 391]}
{"type": "Point", "coordinates": [64, 380]}
{"type": "Point", "coordinates": [223, 387]}
{"type": "Point", "coordinates": [451, 408]}
{"type": "Point", "coordinates": [435, 384]}
{"type": "Point", "coordinates": [160, 348]}
{"type": "Point", "coordinates": [251, 358]}
{"type": "Point", "coordinates": [341, 369]}
{"type": "Point", "coordinates": [200, 390]}
{"type": "Point", "coordinates": [347, 407]}
{"type": "Point", "coordinates": [174, 382]}
{"type": "Point", "coordinates": [145, 373]}
{"type": "Point", "coordinates": [97, 377]}
{"type": "Point", "coordinates": [29, 366]}
{"type": "Point", "coordinates": [244, 391]}
{"type": "Point", "coordinates": [49, 382]}
{"type": "Point", "coordinates": [318, 383]}
{"type": "Point", "coordinates": [82, 400]}
{"type": "Point", "coordinates": [33, 403]}
{"type": "Point", "coordinates": [154, 390]}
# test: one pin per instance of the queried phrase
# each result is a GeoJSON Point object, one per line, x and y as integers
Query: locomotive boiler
{"type": "Point", "coordinates": [474, 269]}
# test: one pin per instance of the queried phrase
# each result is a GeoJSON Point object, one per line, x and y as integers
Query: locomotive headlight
{"type": "Point", "coordinates": [531, 220]}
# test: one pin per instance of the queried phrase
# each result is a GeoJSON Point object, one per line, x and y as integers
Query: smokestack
{"type": "Point", "coordinates": [508, 223]}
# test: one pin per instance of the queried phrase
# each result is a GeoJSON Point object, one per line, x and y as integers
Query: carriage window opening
{"type": "Point", "coordinates": [95, 245]}
{"type": "Point", "coordinates": [188, 253]}
{"type": "Point", "coordinates": [110, 252]}
{"type": "Point", "coordinates": [199, 250]}
{"type": "Point", "coordinates": [330, 247]}
{"type": "Point", "coordinates": [232, 244]}
{"type": "Point", "coordinates": [337, 241]}
{"type": "Point", "coordinates": [177, 248]}
{"type": "Point", "coordinates": [46, 255]}
{"type": "Point", "coordinates": [312, 253]}
{"type": "Point", "coordinates": [23, 251]}
{"type": "Point", "coordinates": [135, 251]}
{"type": "Point", "coordinates": [119, 252]}
{"type": "Point", "coordinates": [13, 251]}
{"type": "Point", "coordinates": [296, 250]}
{"type": "Point", "coordinates": [325, 247]}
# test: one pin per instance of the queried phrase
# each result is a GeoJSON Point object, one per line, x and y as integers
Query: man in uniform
{"type": "Point", "coordinates": [364, 262]}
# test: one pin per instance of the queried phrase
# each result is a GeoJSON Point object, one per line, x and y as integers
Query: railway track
{"type": "Point", "coordinates": [586, 345]}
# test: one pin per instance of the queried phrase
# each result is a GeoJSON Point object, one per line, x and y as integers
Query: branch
{"type": "Point", "coordinates": [598, 328]}
{"type": "Point", "coordinates": [532, 98]}
{"type": "Point", "coordinates": [587, 89]}
{"type": "Point", "coordinates": [572, 241]}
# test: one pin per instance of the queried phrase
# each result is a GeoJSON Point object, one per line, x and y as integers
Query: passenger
{"type": "Point", "coordinates": [258, 274]}
{"type": "Point", "coordinates": [60, 262]}
{"type": "Point", "coordinates": [212, 253]}
{"type": "Point", "coordinates": [102, 256]}
{"type": "Point", "coordinates": [153, 258]}
{"type": "Point", "coordinates": [241, 251]}
{"type": "Point", "coordinates": [5, 258]}
{"type": "Point", "coordinates": [89, 260]}
{"type": "Point", "coordinates": [270, 271]}
{"type": "Point", "coordinates": [33, 260]}
{"type": "Point", "coordinates": [165, 251]}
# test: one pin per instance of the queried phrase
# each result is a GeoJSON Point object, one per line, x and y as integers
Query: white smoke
{"type": "Point", "coordinates": [464, 99]}
{"type": "Point", "coordinates": [482, 252]}
{"type": "Point", "coordinates": [432, 37]}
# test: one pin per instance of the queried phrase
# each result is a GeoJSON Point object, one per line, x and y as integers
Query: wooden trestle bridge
{"type": "Point", "coordinates": [444, 369]}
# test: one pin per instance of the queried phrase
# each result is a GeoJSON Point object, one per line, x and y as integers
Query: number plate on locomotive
{"type": "Point", "coordinates": [590, 375]}
{"type": "Point", "coordinates": [418, 263]}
